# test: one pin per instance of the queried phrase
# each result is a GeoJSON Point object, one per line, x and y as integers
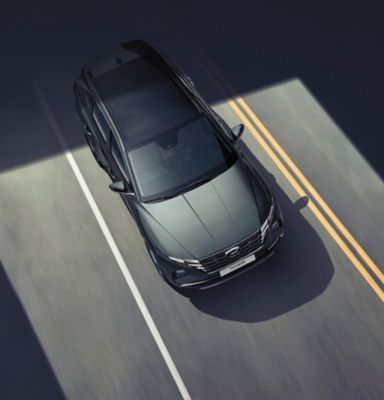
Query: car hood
{"type": "Point", "coordinates": [206, 219]}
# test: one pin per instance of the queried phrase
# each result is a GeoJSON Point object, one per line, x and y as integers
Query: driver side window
{"type": "Point", "coordinates": [101, 122]}
{"type": "Point", "coordinates": [116, 154]}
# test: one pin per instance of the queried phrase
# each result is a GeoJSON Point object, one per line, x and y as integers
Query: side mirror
{"type": "Point", "coordinates": [119, 187]}
{"type": "Point", "coordinates": [237, 131]}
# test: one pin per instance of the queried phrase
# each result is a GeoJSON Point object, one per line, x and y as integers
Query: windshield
{"type": "Point", "coordinates": [173, 161]}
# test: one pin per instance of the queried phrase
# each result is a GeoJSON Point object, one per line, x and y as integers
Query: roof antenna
{"type": "Point", "coordinates": [119, 60]}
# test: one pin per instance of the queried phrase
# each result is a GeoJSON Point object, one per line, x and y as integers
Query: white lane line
{"type": "Point", "coordinates": [112, 244]}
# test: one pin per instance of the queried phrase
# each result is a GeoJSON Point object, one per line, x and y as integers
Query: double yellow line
{"type": "Point", "coordinates": [238, 105]}
{"type": "Point", "coordinates": [298, 181]}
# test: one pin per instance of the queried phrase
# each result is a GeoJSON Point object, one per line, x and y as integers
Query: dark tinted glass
{"type": "Point", "coordinates": [115, 151]}
{"type": "Point", "coordinates": [143, 101]}
{"type": "Point", "coordinates": [177, 159]}
{"type": "Point", "coordinates": [100, 122]}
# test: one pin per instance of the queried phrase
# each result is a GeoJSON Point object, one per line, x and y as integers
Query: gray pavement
{"type": "Point", "coordinates": [303, 325]}
{"type": "Point", "coordinates": [342, 176]}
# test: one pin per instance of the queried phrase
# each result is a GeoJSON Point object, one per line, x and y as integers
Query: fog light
{"type": "Point", "coordinates": [179, 273]}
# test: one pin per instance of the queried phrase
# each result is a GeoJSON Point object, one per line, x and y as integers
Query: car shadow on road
{"type": "Point", "coordinates": [299, 271]}
{"type": "Point", "coordinates": [25, 372]}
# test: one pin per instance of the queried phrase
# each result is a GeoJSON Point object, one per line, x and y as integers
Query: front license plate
{"type": "Point", "coordinates": [238, 264]}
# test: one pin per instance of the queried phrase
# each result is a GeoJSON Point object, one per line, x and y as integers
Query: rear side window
{"type": "Point", "coordinates": [101, 122]}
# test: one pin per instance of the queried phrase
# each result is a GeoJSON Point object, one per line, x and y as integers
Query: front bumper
{"type": "Point", "coordinates": [196, 279]}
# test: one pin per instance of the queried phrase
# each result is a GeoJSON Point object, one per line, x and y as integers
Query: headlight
{"type": "Point", "coordinates": [271, 211]}
{"type": "Point", "coordinates": [264, 227]}
{"type": "Point", "coordinates": [178, 260]}
{"type": "Point", "coordinates": [191, 263]}
{"type": "Point", "coordinates": [267, 222]}
{"type": "Point", "coordinates": [194, 263]}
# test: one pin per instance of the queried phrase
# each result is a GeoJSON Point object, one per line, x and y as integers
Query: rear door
{"type": "Point", "coordinates": [92, 126]}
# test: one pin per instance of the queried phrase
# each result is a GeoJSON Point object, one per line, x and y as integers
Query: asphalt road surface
{"type": "Point", "coordinates": [306, 324]}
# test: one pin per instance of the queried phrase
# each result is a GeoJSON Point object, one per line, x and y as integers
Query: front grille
{"type": "Point", "coordinates": [220, 259]}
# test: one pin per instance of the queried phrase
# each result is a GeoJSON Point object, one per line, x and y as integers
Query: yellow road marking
{"type": "Point", "coordinates": [374, 268]}
{"type": "Point", "coordinates": [327, 226]}
{"type": "Point", "coordinates": [207, 63]}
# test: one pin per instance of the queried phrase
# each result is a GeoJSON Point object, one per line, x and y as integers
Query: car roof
{"type": "Point", "coordinates": [139, 92]}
